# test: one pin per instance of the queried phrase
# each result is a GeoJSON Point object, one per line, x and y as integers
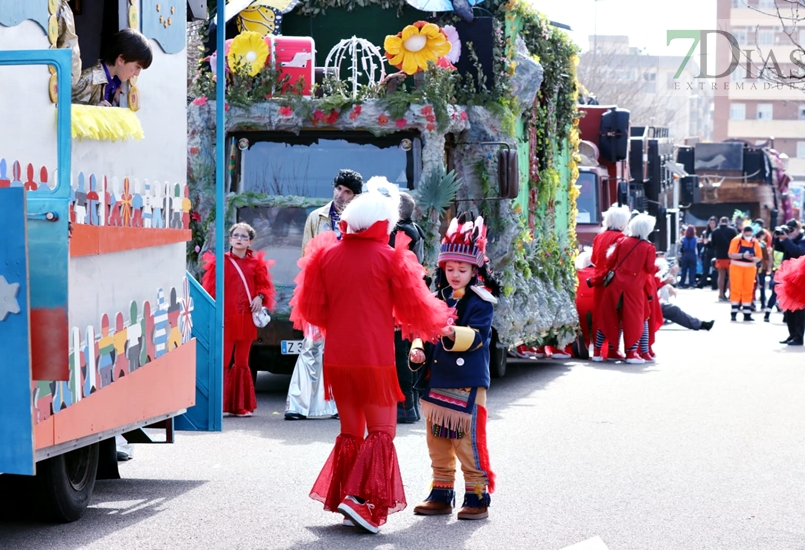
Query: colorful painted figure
{"type": "Point", "coordinates": [106, 353]}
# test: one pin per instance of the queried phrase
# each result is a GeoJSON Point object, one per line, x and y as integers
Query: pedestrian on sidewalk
{"type": "Point", "coordinates": [357, 290]}
{"type": "Point", "coordinates": [247, 288]}
{"type": "Point", "coordinates": [687, 258]}
{"type": "Point", "coordinates": [708, 254]}
{"type": "Point", "coordinates": [455, 375]}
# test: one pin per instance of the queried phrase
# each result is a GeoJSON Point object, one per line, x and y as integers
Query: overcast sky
{"type": "Point", "coordinates": [644, 21]}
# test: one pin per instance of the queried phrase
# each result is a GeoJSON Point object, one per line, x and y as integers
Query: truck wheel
{"type": "Point", "coordinates": [497, 357]}
{"type": "Point", "coordinates": [66, 482]}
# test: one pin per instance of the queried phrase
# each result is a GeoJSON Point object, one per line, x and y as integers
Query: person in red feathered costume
{"type": "Point", "coordinates": [361, 478]}
{"type": "Point", "coordinates": [239, 304]}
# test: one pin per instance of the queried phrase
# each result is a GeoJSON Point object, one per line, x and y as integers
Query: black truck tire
{"type": "Point", "coordinates": [497, 357]}
{"type": "Point", "coordinates": [65, 483]}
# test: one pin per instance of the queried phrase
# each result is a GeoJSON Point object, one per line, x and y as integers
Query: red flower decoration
{"type": "Point", "coordinates": [383, 119]}
{"type": "Point", "coordinates": [318, 116]}
{"type": "Point", "coordinates": [195, 216]}
{"type": "Point", "coordinates": [444, 63]}
{"type": "Point", "coordinates": [332, 117]}
{"type": "Point", "coordinates": [356, 110]}
{"type": "Point", "coordinates": [430, 118]}
{"type": "Point", "coordinates": [286, 111]}
{"type": "Point", "coordinates": [200, 100]}
{"type": "Point", "coordinates": [430, 127]}
{"type": "Point", "coordinates": [194, 150]}
{"type": "Point", "coordinates": [464, 115]}
{"type": "Point", "coordinates": [426, 110]}
{"type": "Point", "coordinates": [401, 123]}
{"type": "Point", "coordinates": [226, 107]}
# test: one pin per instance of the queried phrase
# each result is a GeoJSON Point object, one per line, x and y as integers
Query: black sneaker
{"type": "Point", "coordinates": [733, 316]}
{"type": "Point", "coordinates": [294, 416]}
{"type": "Point", "coordinates": [795, 342]}
{"type": "Point", "coordinates": [766, 317]}
{"type": "Point", "coordinates": [786, 340]}
{"type": "Point", "coordinates": [706, 325]}
{"type": "Point", "coordinates": [748, 317]}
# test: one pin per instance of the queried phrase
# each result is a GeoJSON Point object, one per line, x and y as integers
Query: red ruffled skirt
{"type": "Point", "coordinates": [239, 393]}
{"type": "Point", "coordinates": [368, 470]}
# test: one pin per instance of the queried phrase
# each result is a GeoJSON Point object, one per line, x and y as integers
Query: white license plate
{"type": "Point", "coordinates": [291, 347]}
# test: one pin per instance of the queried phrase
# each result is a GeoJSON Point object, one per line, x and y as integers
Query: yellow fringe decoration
{"type": "Point", "coordinates": [105, 123]}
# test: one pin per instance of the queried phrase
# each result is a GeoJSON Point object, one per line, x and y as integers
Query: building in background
{"type": "Point", "coordinates": [618, 74]}
{"type": "Point", "coordinates": [768, 110]}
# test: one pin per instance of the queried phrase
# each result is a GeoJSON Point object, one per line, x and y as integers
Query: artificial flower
{"type": "Point", "coordinates": [411, 49]}
{"type": "Point", "coordinates": [318, 116]}
{"type": "Point", "coordinates": [249, 52]}
{"type": "Point", "coordinates": [213, 59]}
{"type": "Point", "coordinates": [382, 119]}
{"type": "Point", "coordinates": [455, 42]}
{"type": "Point", "coordinates": [401, 123]}
{"type": "Point", "coordinates": [200, 100]}
{"type": "Point", "coordinates": [444, 63]}
{"type": "Point", "coordinates": [332, 117]}
{"type": "Point", "coordinates": [285, 110]}
{"type": "Point", "coordinates": [355, 112]}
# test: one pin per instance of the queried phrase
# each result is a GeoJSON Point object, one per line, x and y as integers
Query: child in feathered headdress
{"type": "Point", "coordinates": [456, 375]}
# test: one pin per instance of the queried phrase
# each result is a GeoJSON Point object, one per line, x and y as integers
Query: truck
{"type": "Point", "coordinates": [491, 130]}
{"type": "Point", "coordinates": [735, 175]}
{"type": "Point", "coordinates": [629, 165]}
{"type": "Point", "coordinates": [96, 309]}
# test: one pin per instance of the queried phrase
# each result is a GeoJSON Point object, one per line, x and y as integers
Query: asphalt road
{"type": "Point", "coordinates": [701, 450]}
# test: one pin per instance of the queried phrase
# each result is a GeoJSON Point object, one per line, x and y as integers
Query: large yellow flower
{"type": "Point", "coordinates": [411, 49]}
{"type": "Point", "coordinates": [248, 53]}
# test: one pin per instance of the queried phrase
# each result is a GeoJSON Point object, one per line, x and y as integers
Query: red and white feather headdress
{"type": "Point", "coordinates": [465, 241]}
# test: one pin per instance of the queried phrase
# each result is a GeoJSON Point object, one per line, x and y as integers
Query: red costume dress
{"type": "Point", "coordinates": [356, 290]}
{"type": "Point", "coordinates": [585, 301]}
{"type": "Point", "coordinates": [239, 329]}
{"type": "Point", "coordinates": [601, 245]}
{"type": "Point", "coordinates": [625, 300]}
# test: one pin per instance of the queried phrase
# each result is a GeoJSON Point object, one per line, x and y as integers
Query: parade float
{"type": "Point", "coordinates": [468, 108]}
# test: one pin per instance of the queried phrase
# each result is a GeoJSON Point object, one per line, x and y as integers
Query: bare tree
{"type": "Point", "coordinates": [758, 60]}
{"type": "Point", "coordinates": [630, 81]}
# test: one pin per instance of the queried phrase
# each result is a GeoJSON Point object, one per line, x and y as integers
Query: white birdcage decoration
{"type": "Point", "coordinates": [364, 59]}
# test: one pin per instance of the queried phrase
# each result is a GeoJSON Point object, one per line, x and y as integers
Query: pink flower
{"type": "Point", "coordinates": [430, 127]}
{"type": "Point", "coordinates": [444, 63]}
{"type": "Point", "coordinates": [464, 115]}
{"type": "Point", "coordinates": [383, 119]}
{"type": "Point", "coordinates": [356, 110]}
{"type": "Point", "coordinates": [401, 123]}
{"type": "Point", "coordinates": [226, 107]}
{"type": "Point", "coordinates": [197, 249]}
{"type": "Point", "coordinates": [200, 100]}
{"type": "Point", "coordinates": [430, 118]}
{"type": "Point", "coordinates": [285, 110]}
{"type": "Point", "coordinates": [426, 110]}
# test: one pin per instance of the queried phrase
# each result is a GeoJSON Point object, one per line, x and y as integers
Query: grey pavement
{"type": "Point", "coordinates": [701, 450]}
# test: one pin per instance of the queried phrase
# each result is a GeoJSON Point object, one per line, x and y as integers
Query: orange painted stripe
{"type": "Point", "coordinates": [43, 434]}
{"type": "Point", "coordinates": [90, 240]}
{"type": "Point", "coordinates": [163, 386]}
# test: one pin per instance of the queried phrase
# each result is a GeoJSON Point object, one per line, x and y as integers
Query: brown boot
{"type": "Point", "coordinates": [475, 506]}
{"type": "Point", "coordinates": [439, 503]}
{"type": "Point", "coordinates": [433, 508]}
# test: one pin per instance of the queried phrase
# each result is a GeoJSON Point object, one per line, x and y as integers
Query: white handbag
{"type": "Point", "coordinates": [261, 318]}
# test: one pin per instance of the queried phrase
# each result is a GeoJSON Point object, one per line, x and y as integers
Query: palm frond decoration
{"type": "Point", "coordinates": [437, 191]}
{"type": "Point", "coordinates": [433, 197]}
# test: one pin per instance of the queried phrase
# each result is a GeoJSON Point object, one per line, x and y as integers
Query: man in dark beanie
{"type": "Point", "coordinates": [346, 185]}
{"type": "Point", "coordinates": [306, 391]}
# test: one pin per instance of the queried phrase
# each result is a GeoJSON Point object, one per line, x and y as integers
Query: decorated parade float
{"type": "Point", "coordinates": [469, 107]}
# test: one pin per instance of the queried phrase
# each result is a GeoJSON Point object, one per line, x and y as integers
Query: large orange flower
{"type": "Point", "coordinates": [411, 49]}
